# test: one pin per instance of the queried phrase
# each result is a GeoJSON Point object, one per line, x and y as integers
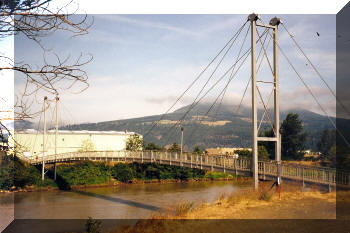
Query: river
{"type": "Point", "coordinates": [129, 201]}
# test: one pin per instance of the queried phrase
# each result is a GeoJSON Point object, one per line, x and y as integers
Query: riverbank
{"type": "Point", "coordinates": [235, 180]}
{"type": "Point", "coordinates": [292, 205]}
{"type": "Point", "coordinates": [245, 205]}
{"type": "Point", "coordinates": [18, 176]}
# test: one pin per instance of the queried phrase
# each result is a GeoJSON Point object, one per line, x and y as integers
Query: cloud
{"type": "Point", "coordinates": [146, 24]}
{"type": "Point", "coordinates": [301, 98]}
{"type": "Point", "coordinates": [169, 100]}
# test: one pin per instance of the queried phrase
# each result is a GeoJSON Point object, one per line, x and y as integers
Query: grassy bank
{"type": "Point", "coordinates": [262, 204]}
{"type": "Point", "coordinates": [247, 204]}
{"type": "Point", "coordinates": [16, 174]}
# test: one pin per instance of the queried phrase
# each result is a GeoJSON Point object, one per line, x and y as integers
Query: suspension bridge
{"type": "Point", "coordinates": [258, 169]}
{"type": "Point", "coordinates": [267, 169]}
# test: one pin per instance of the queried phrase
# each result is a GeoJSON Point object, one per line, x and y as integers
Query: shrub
{"type": "Point", "coordinates": [266, 196]}
{"type": "Point", "coordinates": [122, 172]}
{"type": "Point", "coordinates": [93, 226]}
{"type": "Point", "coordinates": [84, 173]}
{"type": "Point", "coordinates": [152, 173]}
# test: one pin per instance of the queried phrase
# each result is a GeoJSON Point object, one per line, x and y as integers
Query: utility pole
{"type": "Point", "coordinates": [44, 135]}
{"type": "Point", "coordinates": [253, 18]}
{"type": "Point", "coordinates": [182, 139]}
{"type": "Point", "coordinates": [56, 135]}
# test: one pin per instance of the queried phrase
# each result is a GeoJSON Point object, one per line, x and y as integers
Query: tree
{"type": "Point", "coordinates": [36, 19]}
{"type": "Point", "coordinates": [87, 145]}
{"type": "Point", "coordinates": [244, 154]}
{"type": "Point", "coordinates": [325, 144]}
{"type": "Point", "coordinates": [262, 153]}
{"type": "Point", "coordinates": [293, 137]}
{"type": "Point", "coordinates": [269, 146]}
{"type": "Point", "coordinates": [175, 147]}
{"type": "Point", "coordinates": [152, 146]}
{"type": "Point", "coordinates": [197, 150]}
{"type": "Point", "coordinates": [134, 143]}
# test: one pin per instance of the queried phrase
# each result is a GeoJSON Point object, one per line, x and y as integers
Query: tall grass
{"type": "Point", "coordinates": [183, 208]}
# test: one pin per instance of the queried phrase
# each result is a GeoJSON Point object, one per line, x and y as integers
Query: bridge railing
{"type": "Point", "coordinates": [293, 171]}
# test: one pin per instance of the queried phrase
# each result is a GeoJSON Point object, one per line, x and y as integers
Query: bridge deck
{"type": "Point", "coordinates": [267, 169]}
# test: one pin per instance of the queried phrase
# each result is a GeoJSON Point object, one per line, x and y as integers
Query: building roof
{"type": "Point", "coordinates": [33, 131]}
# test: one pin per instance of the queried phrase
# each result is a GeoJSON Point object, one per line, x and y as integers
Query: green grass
{"type": "Point", "coordinates": [217, 175]}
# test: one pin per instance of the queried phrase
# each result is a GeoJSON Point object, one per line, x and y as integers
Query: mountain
{"type": "Point", "coordinates": [224, 129]}
{"type": "Point", "coordinates": [23, 124]}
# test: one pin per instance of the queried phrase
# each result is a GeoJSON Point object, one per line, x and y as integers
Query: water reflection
{"type": "Point", "coordinates": [124, 201]}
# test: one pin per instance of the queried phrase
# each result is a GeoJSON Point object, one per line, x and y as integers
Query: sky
{"type": "Point", "coordinates": [142, 63]}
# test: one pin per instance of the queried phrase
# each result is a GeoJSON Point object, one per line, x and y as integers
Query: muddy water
{"type": "Point", "coordinates": [126, 201]}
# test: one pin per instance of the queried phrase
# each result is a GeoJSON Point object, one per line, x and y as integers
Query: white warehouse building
{"type": "Point", "coordinates": [30, 141]}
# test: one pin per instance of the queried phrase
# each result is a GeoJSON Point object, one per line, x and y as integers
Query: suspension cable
{"type": "Point", "coordinates": [263, 116]}
{"type": "Point", "coordinates": [192, 106]}
{"type": "Point", "coordinates": [265, 110]}
{"type": "Point", "coordinates": [246, 87]}
{"type": "Point", "coordinates": [229, 82]}
{"type": "Point", "coordinates": [315, 69]}
{"type": "Point", "coordinates": [195, 80]}
{"type": "Point", "coordinates": [223, 95]}
{"type": "Point", "coordinates": [219, 95]}
{"type": "Point", "coordinates": [312, 94]}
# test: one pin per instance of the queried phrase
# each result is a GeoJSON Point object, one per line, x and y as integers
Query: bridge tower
{"type": "Point", "coordinates": [274, 22]}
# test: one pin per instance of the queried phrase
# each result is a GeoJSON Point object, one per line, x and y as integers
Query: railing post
{"type": "Point", "coordinates": [212, 158]}
{"type": "Point", "coordinates": [191, 160]}
{"type": "Point", "coordinates": [201, 161]}
{"type": "Point", "coordinates": [151, 156]}
{"type": "Point", "coordinates": [224, 164]}
{"type": "Point", "coordinates": [141, 156]}
{"type": "Point", "coordinates": [303, 178]}
{"type": "Point", "coordinates": [182, 159]}
{"type": "Point", "coordinates": [264, 178]}
{"type": "Point", "coordinates": [235, 166]}
{"type": "Point", "coordinates": [170, 157]}
{"type": "Point", "coordinates": [329, 181]}
{"type": "Point", "coordinates": [323, 176]}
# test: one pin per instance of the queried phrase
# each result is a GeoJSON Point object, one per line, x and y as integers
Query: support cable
{"type": "Point", "coordinates": [232, 77]}
{"type": "Point", "coordinates": [267, 58]}
{"type": "Point", "coordinates": [315, 69]}
{"type": "Point", "coordinates": [312, 94]}
{"type": "Point", "coordinates": [265, 110]}
{"type": "Point", "coordinates": [219, 95]}
{"type": "Point", "coordinates": [263, 116]}
{"type": "Point", "coordinates": [195, 103]}
{"type": "Point", "coordinates": [195, 80]}
{"type": "Point", "coordinates": [246, 85]}
{"type": "Point", "coordinates": [200, 92]}
{"type": "Point", "coordinates": [246, 88]}
{"type": "Point", "coordinates": [37, 131]}
{"type": "Point", "coordinates": [223, 95]}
